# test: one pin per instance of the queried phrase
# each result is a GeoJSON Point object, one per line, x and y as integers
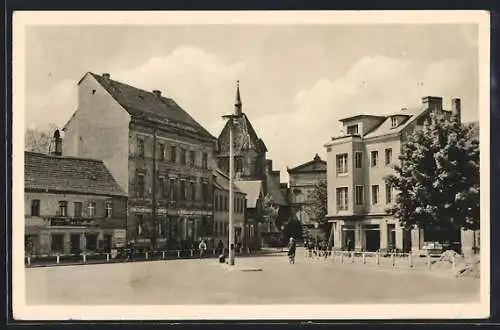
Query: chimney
{"type": "Point", "coordinates": [106, 76]}
{"type": "Point", "coordinates": [157, 93]}
{"type": "Point", "coordinates": [433, 102]}
{"type": "Point", "coordinates": [58, 143]}
{"type": "Point", "coordinates": [456, 108]}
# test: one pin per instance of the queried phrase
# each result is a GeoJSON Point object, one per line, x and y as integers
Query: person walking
{"type": "Point", "coordinates": [202, 247]}
{"type": "Point", "coordinates": [291, 250]}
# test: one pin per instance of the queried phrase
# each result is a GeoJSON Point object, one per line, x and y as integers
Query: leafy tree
{"type": "Point", "coordinates": [438, 179]}
{"type": "Point", "coordinates": [318, 208]}
{"type": "Point", "coordinates": [39, 140]}
{"type": "Point", "coordinates": [270, 211]}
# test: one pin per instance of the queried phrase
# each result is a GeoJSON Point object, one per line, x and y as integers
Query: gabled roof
{"type": "Point", "coordinates": [68, 174]}
{"type": "Point", "coordinates": [141, 103]}
{"type": "Point", "coordinates": [222, 181]}
{"type": "Point", "coordinates": [274, 189]}
{"type": "Point", "coordinates": [244, 135]}
{"type": "Point", "coordinates": [315, 165]}
{"type": "Point", "coordinates": [385, 128]}
{"type": "Point", "coordinates": [361, 116]}
{"type": "Point", "coordinates": [253, 190]}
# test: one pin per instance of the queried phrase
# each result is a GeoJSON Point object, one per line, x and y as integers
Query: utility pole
{"type": "Point", "coordinates": [153, 240]}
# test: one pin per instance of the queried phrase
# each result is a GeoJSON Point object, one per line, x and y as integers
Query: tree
{"type": "Point", "coordinates": [39, 140]}
{"type": "Point", "coordinates": [318, 208]}
{"type": "Point", "coordinates": [438, 179]}
{"type": "Point", "coordinates": [270, 210]}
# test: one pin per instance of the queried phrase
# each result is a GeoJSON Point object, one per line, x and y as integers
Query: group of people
{"type": "Point", "coordinates": [316, 249]}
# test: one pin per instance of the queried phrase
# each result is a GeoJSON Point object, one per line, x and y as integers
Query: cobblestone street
{"type": "Point", "coordinates": [207, 282]}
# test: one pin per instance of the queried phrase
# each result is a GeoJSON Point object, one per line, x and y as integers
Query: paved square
{"type": "Point", "coordinates": [207, 282]}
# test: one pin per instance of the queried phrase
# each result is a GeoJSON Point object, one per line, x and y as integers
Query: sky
{"type": "Point", "coordinates": [296, 81]}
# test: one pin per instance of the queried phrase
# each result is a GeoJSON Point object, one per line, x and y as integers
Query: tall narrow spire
{"type": "Point", "coordinates": [237, 104]}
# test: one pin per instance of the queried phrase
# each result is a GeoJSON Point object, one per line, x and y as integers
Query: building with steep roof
{"type": "Point", "coordinates": [158, 153]}
{"type": "Point", "coordinates": [303, 180]}
{"type": "Point", "coordinates": [72, 205]}
{"type": "Point", "coordinates": [358, 195]}
{"type": "Point", "coordinates": [251, 164]}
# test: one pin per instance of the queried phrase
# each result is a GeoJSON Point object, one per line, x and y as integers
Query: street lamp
{"type": "Point", "coordinates": [232, 121]}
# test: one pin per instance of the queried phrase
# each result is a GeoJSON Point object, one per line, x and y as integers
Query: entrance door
{"type": "Point", "coordinates": [107, 243]}
{"type": "Point", "coordinates": [372, 240]}
{"type": "Point", "coordinates": [75, 243]}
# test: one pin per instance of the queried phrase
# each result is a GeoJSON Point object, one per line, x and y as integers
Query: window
{"type": "Point", "coordinates": [57, 243]}
{"type": "Point", "coordinates": [221, 203]}
{"type": "Point", "coordinates": [374, 158]}
{"type": "Point", "coordinates": [140, 223]}
{"type": "Point", "coordinates": [204, 161]}
{"type": "Point", "coordinates": [91, 209]}
{"type": "Point", "coordinates": [359, 195]}
{"type": "Point", "coordinates": [238, 164]}
{"type": "Point", "coordinates": [140, 147]}
{"type": "Point", "coordinates": [183, 190]}
{"type": "Point", "coordinates": [78, 209]}
{"type": "Point", "coordinates": [91, 242]}
{"type": "Point", "coordinates": [225, 203]}
{"type": "Point", "coordinates": [388, 156]}
{"type": "Point", "coordinates": [342, 199]}
{"type": "Point", "coordinates": [35, 208]}
{"type": "Point", "coordinates": [161, 151]}
{"type": "Point", "coordinates": [161, 187]}
{"type": "Point", "coordinates": [192, 158]}
{"type": "Point", "coordinates": [109, 209]}
{"type": "Point", "coordinates": [375, 191]}
{"type": "Point", "coordinates": [173, 154]}
{"type": "Point", "coordinates": [193, 191]}
{"type": "Point", "coordinates": [63, 208]}
{"type": "Point", "coordinates": [183, 156]}
{"type": "Point", "coordinates": [342, 164]}
{"type": "Point", "coordinates": [204, 191]}
{"type": "Point", "coordinates": [388, 193]}
{"type": "Point", "coordinates": [358, 159]}
{"type": "Point", "coordinates": [352, 129]}
{"type": "Point", "coordinates": [141, 185]}
{"type": "Point", "coordinates": [394, 122]}
{"type": "Point", "coordinates": [172, 190]}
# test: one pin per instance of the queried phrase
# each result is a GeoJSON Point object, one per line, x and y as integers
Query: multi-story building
{"type": "Point", "coordinates": [71, 205]}
{"type": "Point", "coordinates": [303, 180]}
{"type": "Point", "coordinates": [160, 156]}
{"type": "Point", "coordinates": [221, 211]}
{"type": "Point", "coordinates": [358, 161]}
{"type": "Point", "coordinates": [250, 164]}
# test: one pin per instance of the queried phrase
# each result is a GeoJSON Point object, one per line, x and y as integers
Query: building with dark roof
{"type": "Point", "coordinates": [251, 164]}
{"type": "Point", "coordinates": [303, 180]}
{"type": "Point", "coordinates": [358, 162]}
{"type": "Point", "coordinates": [72, 205]}
{"type": "Point", "coordinates": [157, 152]}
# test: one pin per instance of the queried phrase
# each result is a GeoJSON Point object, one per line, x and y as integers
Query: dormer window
{"type": "Point", "coordinates": [394, 122]}
{"type": "Point", "coordinates": [352, 129]}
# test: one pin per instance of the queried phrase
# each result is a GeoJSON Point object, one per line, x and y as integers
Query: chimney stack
{"type": "Point", "coordinates": [433, 102]}
{"type": "Point", "coordinates": [456, 108]}
{"type": "Point", "coordinates": [157, 93]}
{"type": "Point", "coordinates": [106, 76]}
{"type": "Point", "coordinates": [58, 143]}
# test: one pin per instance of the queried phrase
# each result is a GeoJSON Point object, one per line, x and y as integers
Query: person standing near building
{"type": "Point", "coordinates": [291, 250]}
{"type": "Point", "coordinates": [202, 247]}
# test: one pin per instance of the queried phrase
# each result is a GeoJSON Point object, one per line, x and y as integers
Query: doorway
{"type": "Point", "coordinates": [75, 243]}
{"type": "Point", "coordinates": [108, 239]}
{"type": "Point", "coordinates": [372, 239]}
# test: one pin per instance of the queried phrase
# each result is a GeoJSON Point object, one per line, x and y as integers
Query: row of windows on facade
{"type": "Point", "coordinates": [359, 196]}
{"type": "Point", "coordinates": [57, 243]}
{"type": "Point", "coordinates": [353, 129]}
{"type": "Point", "coordinates": [221, 203]}
{"type": "Point", "coordinates": [78, 211]}
{"type": "Point", "coordinates": [175, 190]}
{"type": "Point", "coordinates": [342, 160]}
{"type": "Point", "coordinates": [161, 154]}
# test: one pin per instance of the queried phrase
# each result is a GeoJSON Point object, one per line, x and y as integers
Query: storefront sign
{"type": "Point", "coordinates": [71, 222]}
{"type": "Point", "coordinates": [164, 211]}
{"type": "Point", "coordinates": [195, 212]}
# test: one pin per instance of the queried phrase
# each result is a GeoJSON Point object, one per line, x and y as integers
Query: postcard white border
{"type": "Point", "coordinates": [21, 311]}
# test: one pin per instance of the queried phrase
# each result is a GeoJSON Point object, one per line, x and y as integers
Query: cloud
{"type": "Point", "coordinates": [374, 85]}
{"type": "Point", "coordinates": [202, 83]}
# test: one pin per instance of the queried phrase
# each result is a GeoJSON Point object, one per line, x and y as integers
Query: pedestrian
{"type": "Point", "coordinates": [220, 247]}
{"type": "Point", "coordinates": [202, 247]}
{"type": "Point", "coordinates": [291, 250]}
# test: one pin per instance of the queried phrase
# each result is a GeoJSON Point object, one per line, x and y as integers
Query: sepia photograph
{"type": "Point", "coordinates": [250, 165]}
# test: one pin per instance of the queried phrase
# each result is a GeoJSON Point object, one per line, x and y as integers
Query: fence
{"type": "Point", "coordinates": [394, 260]}
{"type": "Point", "coordinates": [96, 258]}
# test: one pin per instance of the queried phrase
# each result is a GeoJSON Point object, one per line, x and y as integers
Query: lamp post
{"type": "Point", "coordinates": [232, 119]}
